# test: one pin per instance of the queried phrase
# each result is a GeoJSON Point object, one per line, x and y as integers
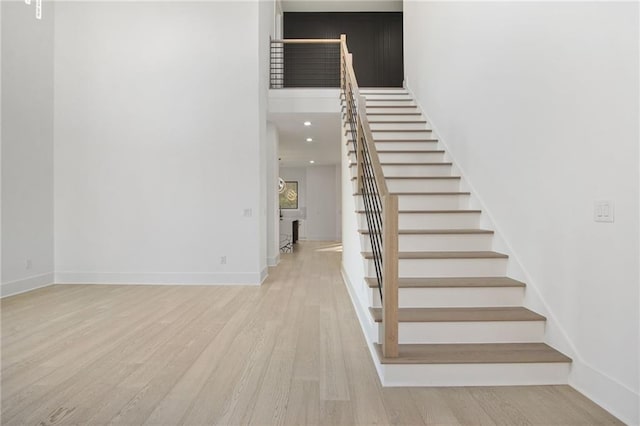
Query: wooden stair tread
{"type": "Point", "coordinates": [400, 130]}
{"type": "Point", "coordinates": [436, 231]}
{"type": "Point", "coordinates": [401, 94]}
{"type": "Point", "coordinates": [350, 139]}
{"type": "Point", "coordinates": [444, 255]}
{"type": "Point", "coordinates": [425, 177]}
{"type": "Point", "coordinates": [492, 314]}
{"type": "Point", "coordinates": [390, 106]}
{"type": "Point", "coordinates": [409, 164]}
{"type": "Point", "coordinates": [347, 131]}
{"type": "Point", "coordinates": [417, 178]}
{"type": "Point", "coordinates": [390, 99]}
{"type": "Point", "coordinates": [451, 282]}
{"type": "Point", "coordinates": [397, 122]}
{"type": "Point", "coordinates": [393, 113]}
{"type": "Point", "coordinates": [413, 151]}
{"type": "Point", "coordinates": [475, 353]}
{"type": "Point", "coordinates": [424, 193]}
{"type": "Point", "coordinates": [433, 211]}
{"type": "Point", "coordinates": [425, 140]}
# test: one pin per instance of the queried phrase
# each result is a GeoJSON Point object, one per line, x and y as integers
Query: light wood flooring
{"type": "Point", "coordinates": [288, 352]}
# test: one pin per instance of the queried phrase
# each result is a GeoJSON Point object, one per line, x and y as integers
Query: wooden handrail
{"type": "Point", "coordinates": [308, 41]}
{"type": "Point", "coordinates": [389, 202]}
{"type": "Point", "coordinates": [378, 174]}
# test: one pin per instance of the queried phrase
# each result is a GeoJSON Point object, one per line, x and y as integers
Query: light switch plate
{"type": "Point", "coordinates": [603, 211]}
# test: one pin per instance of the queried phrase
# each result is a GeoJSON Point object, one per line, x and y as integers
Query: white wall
{"type": "Point", "coordinates": [273, 207]}
{"type": "Point", "coordinates": [538, 105]}
{"type": "Point", "coordinates": [27, 147]}
{"type": "Point", "coordinates": [267, 12]}
{"type": "Point", "coordinates": [158, 158]}
{"type": "Point", "coordinates": [321, 203]}
{"type": "Point", "coordinates": [295, 174]}
{"type": "Point", "coordinates": [318, 192]}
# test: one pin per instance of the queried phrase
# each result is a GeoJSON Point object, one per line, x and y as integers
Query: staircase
{"type": "Point", "coordinates": [460, 319]}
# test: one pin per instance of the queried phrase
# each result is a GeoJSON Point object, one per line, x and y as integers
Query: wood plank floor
{"type": "Point", "coordinates": [288, 352]}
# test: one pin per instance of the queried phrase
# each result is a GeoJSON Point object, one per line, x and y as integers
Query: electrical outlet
{"type": "Point", "coordinates": [603, 211]}
{"type": "Point", "coordinates": [247, 212]}
{"type": "Point", "coordinates": [223, 260]}
{"type": "Point", "coordinates": [28, 264]}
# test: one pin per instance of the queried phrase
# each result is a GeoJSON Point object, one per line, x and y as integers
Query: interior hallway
{"type": "Point", "coordinates": [288, 352]}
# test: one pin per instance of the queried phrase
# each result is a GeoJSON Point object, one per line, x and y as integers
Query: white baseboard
{"type": "Point", "coordinates": [273, 261]}
{"type": "Point", "coordinates": [605, 391]}
{"type": "Point", "coordinates": [264, 274]}
{"type": "Point", "coordinates": [23, 285]}
{"type": "Point", "coordinates": [154, 278]}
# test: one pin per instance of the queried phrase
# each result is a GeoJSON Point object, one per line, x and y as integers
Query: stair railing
{"type": "Point", "coordinates": [302, 63]}
{"type": "Point", "coordinates": [380, 206]}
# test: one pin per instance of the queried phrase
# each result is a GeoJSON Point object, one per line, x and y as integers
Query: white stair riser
{"type": "Point", "coordinates": [387, 102]}
{"type": "Point", "coordinates": [371, 90]}
{"type": "Point", "coordinates": [394, 117]}
{"type": "Point", "coordinates": [433, 220]}
{"type": "Point", "coordinates": [384, 90]}
{"type": "Point", "coordinates": [415, 268]}
{"type": "Point", "coordinates": [438, 242]}
{"type": "Point", "coordinates": [393, 110]}
{"type": "Point", "coordinates": [406, 146]}
{"type": "Point", "coordinates": [401, 146]}
{"type": "Point", "coordinates": [448, 297]}
{"type": "Point", "coordinates": [394, 170]}
{"type": "Point", "coordinates": [427, 202]}
{"type": "Point", "coordinates": [401, 157]}
{"type": "Point", "coordinates": [408, 171]}
{"type": "Point", "coordinates": [475, 374]}
{"type": "Point", "coordinates": [381, 136]}
{"type": "Point", "coordinates": [398, 126]}
{"type": "Point", "coordinates": [469, 332]}
{"type": "Point", "coordinates": [382, 96]}
{"type": "Point", "coordinates": [423, 185]}
{"type": "Point", "coordinates": [425, 157]}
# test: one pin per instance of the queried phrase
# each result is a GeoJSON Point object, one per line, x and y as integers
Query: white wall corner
{"type": "Point", "coordinates": [273, 261]}
{"type": "Point", "coordinates": [11, 288]}
{"type": "Point", "coordinates": [263, 275]}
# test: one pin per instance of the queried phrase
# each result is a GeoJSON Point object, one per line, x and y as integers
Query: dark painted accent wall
{"type": "Point", "coordinates": [374, 39]}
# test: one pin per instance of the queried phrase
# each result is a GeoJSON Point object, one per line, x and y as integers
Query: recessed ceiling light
{"type": "Point", "coordinates": [309, 139]}
{"type": "Point", "coordinates": [307, 123]}
{"type": "Point", "coordinates": [311, 161]}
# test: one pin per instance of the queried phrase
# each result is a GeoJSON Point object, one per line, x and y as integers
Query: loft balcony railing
{"type": "Point", "coordinates": [328, 63]}
{"type": "Point", "coordinates": [301, 63]}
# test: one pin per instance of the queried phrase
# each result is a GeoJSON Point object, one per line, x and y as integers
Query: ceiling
{"type": "Point", "coordinates": [342, 6]}
{"type": "Point", "coordinates": [294, 151]}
